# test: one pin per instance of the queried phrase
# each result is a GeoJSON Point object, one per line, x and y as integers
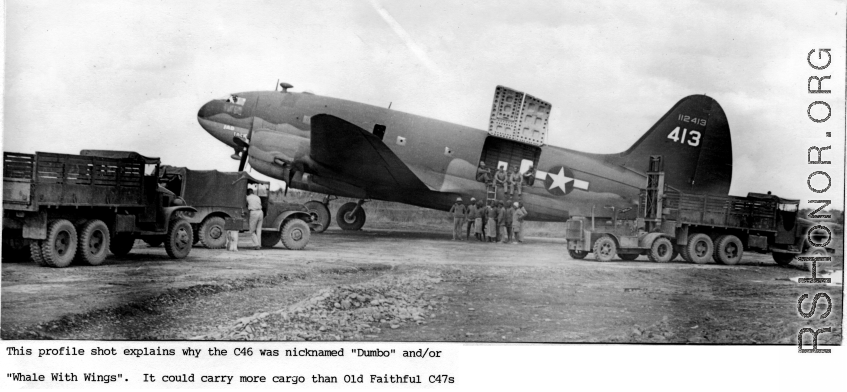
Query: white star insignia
{"type": "Point", "coordinates": [559, 180]}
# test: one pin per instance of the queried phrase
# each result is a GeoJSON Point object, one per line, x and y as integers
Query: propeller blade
{"type": "Point", "coordinates": [288, 182]}
{"type": "Point", "coordinates": [243, 160]}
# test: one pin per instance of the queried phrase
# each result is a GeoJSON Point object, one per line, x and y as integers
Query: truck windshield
{"type": "Point", "coordinates": [150, 169]}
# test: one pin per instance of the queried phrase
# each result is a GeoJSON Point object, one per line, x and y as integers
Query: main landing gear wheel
{"type": "Point", "coordinates": [728, 250]}
{"type": "Point", "coordinates": [295, 234]}
{"type": "Point", "coordinates": [212, 234]}
{"type": "Point", "coordinates": [93, 243]}
{"type": "Point", "coordinates": [699, 249]}
{"type": "Point", "coordinates": [350, 216]}
{"type": "Point", "coordinates": [577, 254]}
{"type": "Point", "coordinates": [320, 215]}
{"type": "Point", "coordinates": [59, 249]}
{"type": "Point", "coordinates": [661, 251]}
{"type": "Point", "coordinates": [605, 248]}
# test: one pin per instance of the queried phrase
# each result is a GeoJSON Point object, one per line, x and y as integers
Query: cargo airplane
{"type": "Point", "coordinates": [342, 148]}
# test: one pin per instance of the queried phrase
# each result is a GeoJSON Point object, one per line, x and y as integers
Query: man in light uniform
{"type": "Point", "coordinates": [515, 180]}
{"type": "Point", "coordinates": [254, 204]}
{"type": "Point", "coordinates": [517, 222]}
{"type": "Point", "coordinates": [458, 211]}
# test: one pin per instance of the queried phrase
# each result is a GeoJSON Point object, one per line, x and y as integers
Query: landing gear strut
{"type": "Point", "coordinates": [319, 211]}
{"type": "Point", "coordinates": [351, 216]}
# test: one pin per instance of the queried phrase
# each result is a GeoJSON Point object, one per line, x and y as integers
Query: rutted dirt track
{"type": "Point", "coordinates": [412, 285]}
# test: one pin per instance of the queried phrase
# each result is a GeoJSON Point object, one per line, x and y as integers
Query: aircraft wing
{"type": "Point", "coordinates": [358, 157]}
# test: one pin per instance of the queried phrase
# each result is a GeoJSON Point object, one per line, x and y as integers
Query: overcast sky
{"type": "Point", "coordinates": [132, 74]}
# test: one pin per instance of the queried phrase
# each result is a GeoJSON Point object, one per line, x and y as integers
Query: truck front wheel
{"type": "Point", "coordinates": [661, 251]}
{"type": "Point", "coordinates": [605, 248]}
{"type": "Point", "coordinates": [699, 249]}
{"type": "Point", "coordinates": [59, 249]}
{"type": "Point", "coordinates": [295, 234]}
{"type": "Point", "coordinates": [179, 239]}
{"type": "Point", "coordinates": [212, 234]}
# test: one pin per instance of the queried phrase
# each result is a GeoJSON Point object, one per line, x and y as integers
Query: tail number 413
{"type": "Point", "coordinates": [690, 136]}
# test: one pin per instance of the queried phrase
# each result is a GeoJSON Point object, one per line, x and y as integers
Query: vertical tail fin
{"type": "Point", "coordinates": [695, 142]}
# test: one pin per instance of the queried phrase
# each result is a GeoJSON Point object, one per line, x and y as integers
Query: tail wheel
{"type": "Point", "coordinates": [295, 234]}
{"type": "Point", "coordinates": [728, 250]}
{"type": "Point", "coordinates": [35, 252]}
{"type": "Point", "coordinates": [605, 248]}
{"type": "Point", "coordinates": [59, 249]}
{"type": "Point", "coordinates": [93, 242]}
{"type": "Point", "coordinates": [662, 251]}
{"type": "Point", "coordinates": [349, 217]}
{"type": "Point", "coordinates": [320, 215]}
{"type": "Point", "coordinates": [699, 249]}
{"type": "Point", "coordinates": [212, 233]}
{"type": "Point", "coordinates": [270, 238]}
{"type": "Point", "coordinates": [629, 256]}
{"type": "Point", "coordinates": [121, 244]}
{"type": "Point", "coordinates": [577, 254]}
{"type": "Point", "coordinates": [179, 239]}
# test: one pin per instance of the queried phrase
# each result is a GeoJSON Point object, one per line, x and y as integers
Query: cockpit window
{"type": "Point", "coordinates": [234, 99]}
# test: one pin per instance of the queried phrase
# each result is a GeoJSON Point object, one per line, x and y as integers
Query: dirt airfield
{"type": "Point", "coordinates": [391, 282]}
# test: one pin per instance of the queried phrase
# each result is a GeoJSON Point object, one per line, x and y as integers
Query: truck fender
{"type": "Point", "coordinates": [169, 211]}
{"type": "Point", "coordinates": [646, 241]}
{"type": "Point", "coordinates": [277, 225]}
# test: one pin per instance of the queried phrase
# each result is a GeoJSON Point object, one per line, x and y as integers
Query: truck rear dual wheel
{"type": "Point", "coordinates": [35, 252]}
{"type": "Point", "coordinates": [212, 233]}
{"type": "Point", "coordinates": [605, 248]}
{"type": "Point", "coordinates": [661, 251]}
{"type": "Point", "coordinates": [179, 239]}
{"type": "Point", "coordinates": [93, 242]}
{"type": "Point", "coordinates": [59, 248]}
{"type": "Point", "coordinates": [699, 248]}
{"type": "Point", "coordinates": [728, 250]}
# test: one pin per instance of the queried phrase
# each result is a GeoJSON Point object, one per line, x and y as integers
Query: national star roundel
{"type": "Point", "coordinates": [559, 180]}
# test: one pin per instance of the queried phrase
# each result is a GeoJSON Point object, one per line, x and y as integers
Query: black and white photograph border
{"type": "Point", "coordinates": [572, 184]}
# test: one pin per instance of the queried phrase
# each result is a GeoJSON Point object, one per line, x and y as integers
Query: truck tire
{"type": "Point", "coordinates": [212, 233]}
{"type": "Point", "coordinates": [270, 238]}
{"type": "Point", "coordinates": [728, 250]}
{"type": "Point", "coordinates": [35, 252]}
{"type": "Point", "coordinates": [699, 249]}
{"type": "Point", "coordinates": [59, 249]}
{"type": "Point", "coordinates": [782, 259]}
{"type": "Point", "coordinates": [179, 239]}
{"type": "Point", "coordinates": [121, 244]}
{"type": "Point", "coordinates": [629, 256]}
{"type": "Point", "coordinates": [605, 248]}
{"type": "Point", "coordinates": [93, 242]}
{"type": "Point", "coordinates": [154, 242]}
{"type": "Point", "coordinates": [320, 215]}
{"type": "Point", "coordinates": [347, 220]}
{"type": "Point", "coordinates": [295, 234]}
{"type": "Point", "coordinates": [661, 251]}
{"type": "Point", "coordinates": [577, 254]}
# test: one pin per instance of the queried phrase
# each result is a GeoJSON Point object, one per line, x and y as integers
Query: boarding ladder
{"type": "Point", "coordinates": [491, 193]}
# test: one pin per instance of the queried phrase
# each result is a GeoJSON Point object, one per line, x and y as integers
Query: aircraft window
{"type": "Point", "coordinates": [379, 131]}
{"type": "Point", "coordinates": [235, 100]}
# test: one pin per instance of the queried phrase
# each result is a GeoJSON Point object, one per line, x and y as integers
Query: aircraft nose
{"type": "Point", "coordinates": [209, 109]}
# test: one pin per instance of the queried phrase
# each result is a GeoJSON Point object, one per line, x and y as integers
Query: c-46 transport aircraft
{"type": "Point", "coordinates": [349, 149]}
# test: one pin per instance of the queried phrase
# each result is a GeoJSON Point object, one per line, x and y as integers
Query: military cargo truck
{"type": "Point", "coordinates": [700, 227]}
{"type": "Point", "coordinates": [65, 207]}
{"type": "Point", "coordinates": [220, 202]}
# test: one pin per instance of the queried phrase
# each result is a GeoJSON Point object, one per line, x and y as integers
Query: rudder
{"type": "Point", "coordinates": [695, 143]}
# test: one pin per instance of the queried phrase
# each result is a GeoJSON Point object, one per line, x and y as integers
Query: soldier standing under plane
{"type": "Point", "coordinates": [500, 179]}
{"type": "Point", "coordinates": [458, 211]}
{"type": "Point", "coordinates": [515, 182]}
{"type": "Point", "coordinates": [517, 222]}
{"type": "Point", "coordinates": [471, 217]}
{"type": "Point", "coordinates": [510, 210]}
{"type": "Point", "coordinates": [254, 204]}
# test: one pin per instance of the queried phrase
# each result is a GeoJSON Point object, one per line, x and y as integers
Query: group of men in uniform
{"type": "Point", "coordinates": [493, 222]}
{"type": "Point", "coordinates": [510, 183]}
